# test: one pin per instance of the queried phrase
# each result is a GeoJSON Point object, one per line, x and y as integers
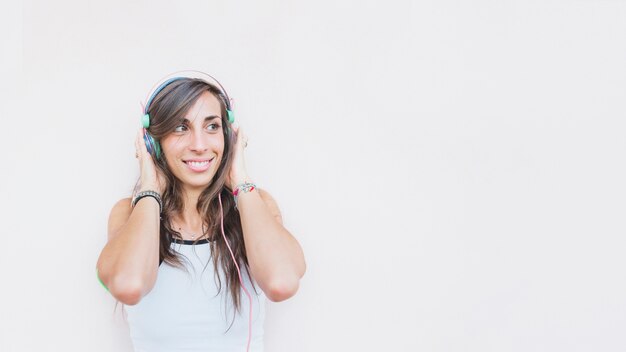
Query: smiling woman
{"type": "Point", "coordinates": [196, 205]}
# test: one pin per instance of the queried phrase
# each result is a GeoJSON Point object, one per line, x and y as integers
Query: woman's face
{"type": "Point", "coordinates": [194, 149]}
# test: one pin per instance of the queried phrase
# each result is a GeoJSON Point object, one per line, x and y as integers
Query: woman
{"type": "Point", "coordinates": [171, 249]}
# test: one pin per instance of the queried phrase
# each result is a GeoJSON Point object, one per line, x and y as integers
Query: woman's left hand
{"type": "Point", "coordinates": [238, 173]}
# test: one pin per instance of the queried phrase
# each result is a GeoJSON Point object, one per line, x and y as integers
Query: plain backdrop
{"type": "Point", "coordinates": [454, 170]}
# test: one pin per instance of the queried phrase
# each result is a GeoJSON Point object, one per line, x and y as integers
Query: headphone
{"type": "Point", "coordinates": [152, 144]}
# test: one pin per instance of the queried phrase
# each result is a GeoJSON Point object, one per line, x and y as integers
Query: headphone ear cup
{"type": "Point", "coordinates": [231, 136]}
{"type": "Point", "coordinates": [157, 148]}
{"type": "Point", "coordinates": [154, 148]}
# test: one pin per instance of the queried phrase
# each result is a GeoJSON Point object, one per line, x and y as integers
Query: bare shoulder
{"type": "Point", "coordinates": [271, 204]}
{"type": "Point", "coordinates": [119, 215]}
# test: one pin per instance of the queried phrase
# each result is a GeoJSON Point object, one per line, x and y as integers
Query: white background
{"type": "Point", "coordinates": [454, 170]}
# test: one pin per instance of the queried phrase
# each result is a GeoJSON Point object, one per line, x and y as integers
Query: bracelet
{"type": "Point", "coordinates": [152, 194]}
{"type": "Point", "coordinates": [243, 187]}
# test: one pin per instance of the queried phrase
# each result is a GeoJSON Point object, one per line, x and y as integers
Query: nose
{"type": "Point", "coordinates": [199, 142]}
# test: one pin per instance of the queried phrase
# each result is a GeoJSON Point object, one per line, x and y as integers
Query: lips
{"type": "Point", "coordinates": [198, 165]}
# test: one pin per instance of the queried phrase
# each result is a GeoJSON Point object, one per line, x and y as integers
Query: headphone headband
{"type": "Point", "coordinates": [163, 82]}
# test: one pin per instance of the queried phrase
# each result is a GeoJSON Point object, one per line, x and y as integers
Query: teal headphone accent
{"type": "Point", "coordinates": [231, 116]}
{"type": "Point", "coordinates": [145, 120]}
{"type": "Point", "coordinates": [153, 146]}
{"type": "Point", "coordinates": [101, 283]}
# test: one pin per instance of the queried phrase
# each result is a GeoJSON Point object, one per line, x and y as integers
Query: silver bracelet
{"type": "Point", "coordinates": [243, 187]}
{"type": "Point", "coordinates": [152, 194]}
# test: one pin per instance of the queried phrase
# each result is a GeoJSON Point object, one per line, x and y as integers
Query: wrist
{"type": "Point", "coordinates": [241, 188]}
{"type": "Point", "coordinates": [151, 194]}
{"type": "Point", "coordinates": [150, 187]}
{"type": "Point", "coordinates": [238, 181]}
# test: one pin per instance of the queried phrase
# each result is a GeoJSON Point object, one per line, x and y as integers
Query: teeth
{"type": "Point", "coordinates": [198, 163]}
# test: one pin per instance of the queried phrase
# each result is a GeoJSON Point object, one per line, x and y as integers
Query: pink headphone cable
{"type": "Point", "coordinates": [219, 196]}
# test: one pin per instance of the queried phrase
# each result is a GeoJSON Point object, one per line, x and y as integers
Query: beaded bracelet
{"type": "Point", "coordinates": [152, 194]}
{"type": "Point", "coordinates": [243, 187]}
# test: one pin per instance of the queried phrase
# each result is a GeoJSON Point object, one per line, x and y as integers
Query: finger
{"type": "Point", "coordinates": [235, 128]}
{"type": "Point", "coordinates": [137, 145]}
{"type": "Point", "coordinates": [143, 150]}
{"type": "Point", "coordinates": [244, 139]}
{"type": "Point", "coordinates": [240, 135]}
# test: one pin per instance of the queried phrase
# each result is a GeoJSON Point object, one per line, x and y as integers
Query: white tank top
{"type": "Point", "coordinates": [184, 312]}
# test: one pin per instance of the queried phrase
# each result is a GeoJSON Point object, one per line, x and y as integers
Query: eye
{"type": "Point", "coordinates": [213, 126]}
{"type": "Point", "coordinates": [180, 128]}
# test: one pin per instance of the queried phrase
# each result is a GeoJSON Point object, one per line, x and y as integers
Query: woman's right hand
{"type": "Point", "coordinates": [152, 179]}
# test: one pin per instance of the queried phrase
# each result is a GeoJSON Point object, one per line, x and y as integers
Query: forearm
{"type": "Point", "coordinates": [275, 257]}
{"type": "Point", "coordinates": [128, 263]}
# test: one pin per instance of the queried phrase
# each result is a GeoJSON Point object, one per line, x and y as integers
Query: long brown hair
{"type": "Point", "coordinates": [167, 110]}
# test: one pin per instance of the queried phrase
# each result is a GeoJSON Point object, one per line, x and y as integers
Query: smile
{"type": "Point", "coordinates": [198, 165]}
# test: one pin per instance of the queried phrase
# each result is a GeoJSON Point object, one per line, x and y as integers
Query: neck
{"type": "Point", "coordinates": [190, 203]}
{"type": "Point", "coordinates": [189, 219]}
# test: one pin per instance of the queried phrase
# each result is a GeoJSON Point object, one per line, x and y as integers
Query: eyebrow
{"type": "Point", "coordinates": [208, 118]}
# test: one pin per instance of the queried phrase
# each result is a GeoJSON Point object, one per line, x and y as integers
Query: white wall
{"type": "Point", "coordinates": [454, 170]}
